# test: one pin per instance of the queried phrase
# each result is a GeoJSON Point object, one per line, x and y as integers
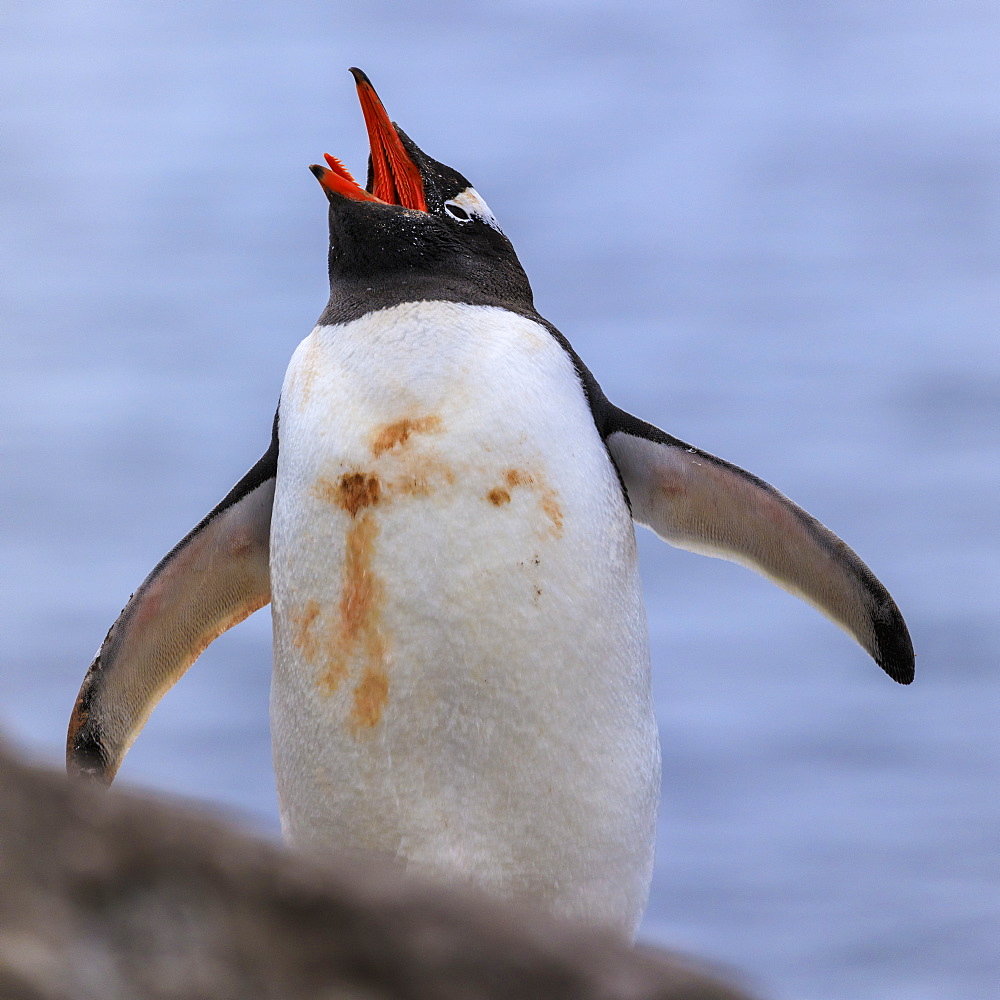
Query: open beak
{"type": "Point", "coordinates": [396, 179]}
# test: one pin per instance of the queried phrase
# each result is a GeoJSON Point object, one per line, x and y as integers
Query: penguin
{"type": "Point", "coordinates": [443, 526]}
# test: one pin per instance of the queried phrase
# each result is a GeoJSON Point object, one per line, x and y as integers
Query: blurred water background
{"type": "Point", "coordinates": [769, 227]}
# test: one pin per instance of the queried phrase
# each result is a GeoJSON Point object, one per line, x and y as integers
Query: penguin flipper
{"type": "Point", "coordinates": [698, 502]}
{"type": "Point", "coordinates": [216, 576]}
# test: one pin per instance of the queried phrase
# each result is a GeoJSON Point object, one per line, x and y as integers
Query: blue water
{"type": "Point", "coordinates": [769, 227]}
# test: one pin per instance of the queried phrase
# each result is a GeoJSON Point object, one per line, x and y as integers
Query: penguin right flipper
{"type": "Point", "coordinates": [698, 502]}
{"type": "Point", "coordinates": [216, 576]}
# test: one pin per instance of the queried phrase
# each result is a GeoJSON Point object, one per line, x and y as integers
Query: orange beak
{"type": "Point", "coordinates": [396, 178]}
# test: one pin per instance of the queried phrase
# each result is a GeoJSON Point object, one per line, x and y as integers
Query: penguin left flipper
{"type": "Point", "coordinates": [216, 576]}
{"type": "Point", "coordinates": [701, 503]}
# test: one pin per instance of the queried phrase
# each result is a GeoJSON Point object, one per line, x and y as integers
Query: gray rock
{"type": "Point", "coordinates": [116, 896]}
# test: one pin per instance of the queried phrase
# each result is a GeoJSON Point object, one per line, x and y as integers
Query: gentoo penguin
{"type": "Point", "coordinates": [443, 524]}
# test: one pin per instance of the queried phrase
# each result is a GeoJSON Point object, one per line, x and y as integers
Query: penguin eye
{"type": "Point", "coordinates": [467, 205]}
{"type": "Point", "coordinates": [456, 211]}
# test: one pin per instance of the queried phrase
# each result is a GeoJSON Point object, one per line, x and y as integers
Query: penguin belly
{"type": "Point", "coordinates": [461, 664]}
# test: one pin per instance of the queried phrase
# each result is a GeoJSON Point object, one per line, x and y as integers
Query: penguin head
{"type": "Point", "coordinates": [417, 227]}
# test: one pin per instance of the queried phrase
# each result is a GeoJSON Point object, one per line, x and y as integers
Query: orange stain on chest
{"type": "Point", "coordinates": [552, 510]}
{"type": "Point", "coordinates": [370, 698]}
{"type": "Point", "coordinates": [351, 492]}
{"type": "Point", "coordinates": [419, 475]}
{"type": "Point", "coordinates": [361, 593]}
{"type": "Point", "coordinates": [304, 637]}
{"type": "Point", "coordinates": [548, 499]}
{"type": "Point", "coordinates": [396, 434]}
{"type": "Point", "coordinates": [359, 626]}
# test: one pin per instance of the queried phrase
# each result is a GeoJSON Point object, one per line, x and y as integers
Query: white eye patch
{"type": "Point", "coordinates": [463, 207]}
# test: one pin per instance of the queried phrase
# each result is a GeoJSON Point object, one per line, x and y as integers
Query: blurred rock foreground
{"type": "Point", "coordinates": [121, 897]}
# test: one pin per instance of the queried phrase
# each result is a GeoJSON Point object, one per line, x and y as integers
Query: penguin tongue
{"type": "Point", "coordinates": [396, 179]}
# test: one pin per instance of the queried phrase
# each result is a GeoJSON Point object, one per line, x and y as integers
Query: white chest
{"type": "Point", "coordinates": [461, 667]}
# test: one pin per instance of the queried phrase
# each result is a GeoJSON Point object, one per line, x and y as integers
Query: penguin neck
{"type": "Point", "coordinates": [354, 295]}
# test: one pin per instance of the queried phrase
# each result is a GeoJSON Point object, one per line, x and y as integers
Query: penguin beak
{"type": "Point", "coordinates": [396, 178]}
